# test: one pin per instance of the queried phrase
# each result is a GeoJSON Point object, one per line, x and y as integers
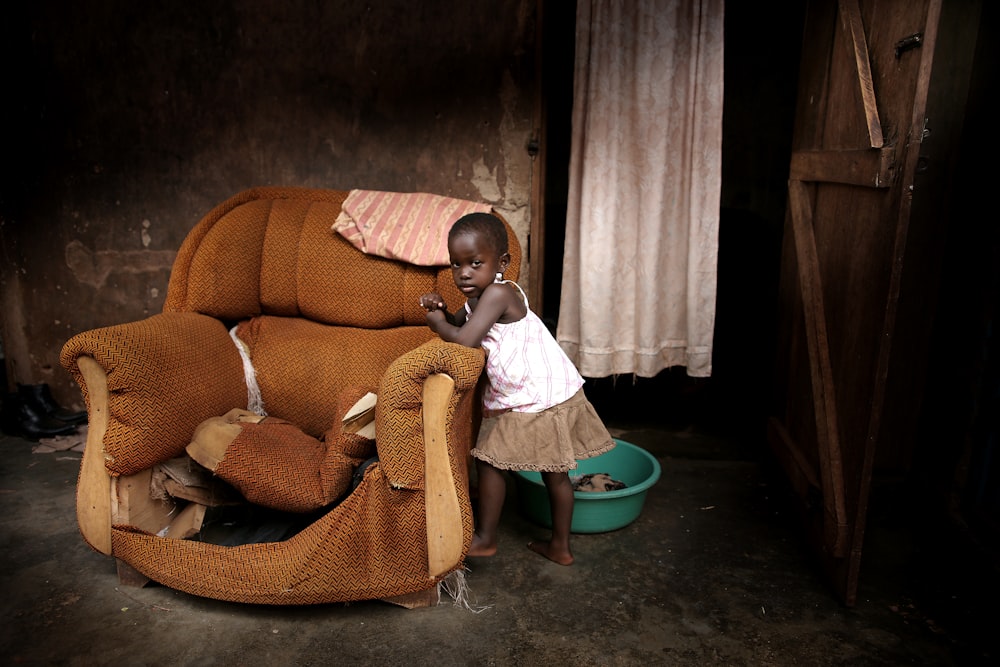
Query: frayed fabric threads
{"type": "Point", "coordinates": [255, 402]}
{"type": "Point", "coordinates": [457, 588]}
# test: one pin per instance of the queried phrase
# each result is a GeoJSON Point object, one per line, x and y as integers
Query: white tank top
{"type": "Point", "coordinates": [527, 369]}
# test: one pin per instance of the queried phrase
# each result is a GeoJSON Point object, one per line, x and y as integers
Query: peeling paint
{"type": "Point", "coordinates": [485, 182]}
{"type": "Point", "coordinates": [93, 267]}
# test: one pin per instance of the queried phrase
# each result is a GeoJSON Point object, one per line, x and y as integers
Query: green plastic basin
{"type": "Point", "coordinates": [596, 511]}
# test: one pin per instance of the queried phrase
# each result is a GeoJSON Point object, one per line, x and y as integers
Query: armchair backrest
{"type": "Point", "coordinates": [272, 251]}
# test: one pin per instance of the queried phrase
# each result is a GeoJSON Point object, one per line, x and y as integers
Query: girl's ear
{"type": "Point", "coordinates": [504, 261]}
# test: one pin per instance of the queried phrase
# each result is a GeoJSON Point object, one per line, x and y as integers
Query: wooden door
{"type": "Point", "coordinates": [860, 116]}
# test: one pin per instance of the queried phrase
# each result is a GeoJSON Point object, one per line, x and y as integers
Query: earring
{"type": "Point", "coordinates": [499, 278]}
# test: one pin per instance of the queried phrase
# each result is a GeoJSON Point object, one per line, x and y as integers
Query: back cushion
{"type": "Point", "coordinates": [338, 284]}
{"type": "Point", "coordinates": [273, 251]}
{"type": "Point", "coordinates": [279, 256]}
{"type": "Point", "coordinates": [217, 270]}
{"type": "Point", "coordinates": [302, 366]}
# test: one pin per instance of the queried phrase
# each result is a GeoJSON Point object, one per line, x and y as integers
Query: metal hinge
{"type": "Point", "coordinates": [914, 41]}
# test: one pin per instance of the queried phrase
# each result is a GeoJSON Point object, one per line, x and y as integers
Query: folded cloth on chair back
{"type": "Point", "coordinates": [408, 226]}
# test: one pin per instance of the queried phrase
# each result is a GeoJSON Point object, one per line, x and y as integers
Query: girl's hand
{"type": "Point", "coordinates": [432, 301]}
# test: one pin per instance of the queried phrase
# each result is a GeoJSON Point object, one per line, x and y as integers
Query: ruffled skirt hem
{"type": "Point", "coordinates": [548, 441]}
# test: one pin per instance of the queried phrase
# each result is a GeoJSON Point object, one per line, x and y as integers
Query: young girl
{"type": "Point", "coordinates": [536, 414]}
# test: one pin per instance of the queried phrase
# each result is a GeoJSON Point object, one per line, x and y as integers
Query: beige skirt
{"type": "Point", "coordinates": [547, 441]}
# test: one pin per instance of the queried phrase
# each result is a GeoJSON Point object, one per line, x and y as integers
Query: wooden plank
{"type": "Point", "coordinates": [850, 15]}
{"type": "Point", "coordinates": [211, 496]}
{"type": "Point", "coordinates": [817, 344]}
{"type": "Point", "coordinates": [815, 69]}
{"type": "Point", "coordinates": [860, 201]}
{"type": "Point", "coordinates": [445, 534]}
{"type": "Point", "coordinates": [864, 167]}
{"type": "Point", "coordinates": [136, 508]}
{"type": "Point", "coordinates": [538, 150]}
{"type": "Point", "coordinates": [186, 523]}
{"type": "Point", "coordinates": [361, 417]}
{"type": "Point", "coordinates": [184, 479]}
{"type": "Point", "coordinates": [852, 566]}
{"type": "Point", "coordinates": [93, 489]}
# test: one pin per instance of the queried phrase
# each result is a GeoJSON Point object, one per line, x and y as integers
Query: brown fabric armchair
{"type": "Point", "coordinates": [320, 322]}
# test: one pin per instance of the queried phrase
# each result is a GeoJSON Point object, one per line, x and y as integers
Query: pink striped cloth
{"type": "Point", "coordinates": [408, 226]}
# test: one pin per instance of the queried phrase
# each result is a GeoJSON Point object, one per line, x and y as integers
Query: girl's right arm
{"type": "Point", "coordinates": [469, 329]}
{"type": "Point", "coordinates": [433, 302]}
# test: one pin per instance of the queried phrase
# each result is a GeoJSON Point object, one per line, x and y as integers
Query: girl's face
{"type": "Point", "coordinates": [474, 264]}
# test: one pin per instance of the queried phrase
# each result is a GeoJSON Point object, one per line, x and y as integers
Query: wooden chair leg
{"type": "Point", "coordinates": [129, 576]}
{"type": "Point", "coordinates": [428, 598]}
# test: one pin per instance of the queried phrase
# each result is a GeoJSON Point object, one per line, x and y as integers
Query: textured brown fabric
{"type": "Point", "coordinates": [166, 374]}
{"type": "Point", "coordinates": [302, 365]}
{"type": "Point", "coordinates": [399, 411]}
{"type": "Point", "coordinates": [335, 288]}
{"type": "Point", "coordinates": [217, 269]}
{"type": "Point", "coordinates": [321, 320]}
{"type": "Point", "coordinates": [272, 251]}
{"type": "Point", "coordinates": [371, 545]}
{"type": "Point", "coordinates": [274, 464]}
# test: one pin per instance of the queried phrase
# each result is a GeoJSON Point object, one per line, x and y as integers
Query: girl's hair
{"type": "Point", "coordinates": [487, 225]}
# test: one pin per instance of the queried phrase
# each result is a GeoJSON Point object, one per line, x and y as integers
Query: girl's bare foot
{"type": "Point", "coordinates": [481, 547]}
{"type": "Point", "coordinates": [561, 556]}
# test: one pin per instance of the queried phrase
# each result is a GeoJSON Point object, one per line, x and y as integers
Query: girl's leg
{"type": "Point", "coordinates": [561, 501]}
{"type": "Point", "coordinates": [492, 489]}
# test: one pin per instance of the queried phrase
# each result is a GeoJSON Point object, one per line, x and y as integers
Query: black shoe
{"type": "Point", "coordinates": [40, 398]}
{"type": "Point", "coordinates": [20, 418]}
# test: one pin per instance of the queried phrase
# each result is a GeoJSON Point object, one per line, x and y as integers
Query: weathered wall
{"type": "Point", "coordinates": [136, 118]}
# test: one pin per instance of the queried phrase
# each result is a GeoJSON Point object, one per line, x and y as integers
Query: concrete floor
{"type": "Point", "coordinates": [712, 572]}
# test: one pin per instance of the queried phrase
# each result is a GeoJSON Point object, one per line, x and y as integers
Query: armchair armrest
{"type": "Point", "coordinates": [427, 397]}
{"type": "Point", "coordinates": [442, 507]}
{"type": "Point", "coordinates": [147, 385]}
{"type": "Point", "coordinates": [400, 410]}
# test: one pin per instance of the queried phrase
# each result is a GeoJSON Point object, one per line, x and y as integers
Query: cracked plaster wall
{"type": "Point", "coordinates": [139, 117]}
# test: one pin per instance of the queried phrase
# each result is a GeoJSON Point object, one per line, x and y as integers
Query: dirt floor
{"type": "Point", "coordinates": [712, 572]}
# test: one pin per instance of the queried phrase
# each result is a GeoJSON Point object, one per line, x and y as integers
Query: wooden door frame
{"type": "Point", "coordinates": [537, 150]}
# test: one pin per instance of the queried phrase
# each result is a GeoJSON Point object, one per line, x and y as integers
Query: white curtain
{"type": "Point", "coordinates": [639, 273]}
